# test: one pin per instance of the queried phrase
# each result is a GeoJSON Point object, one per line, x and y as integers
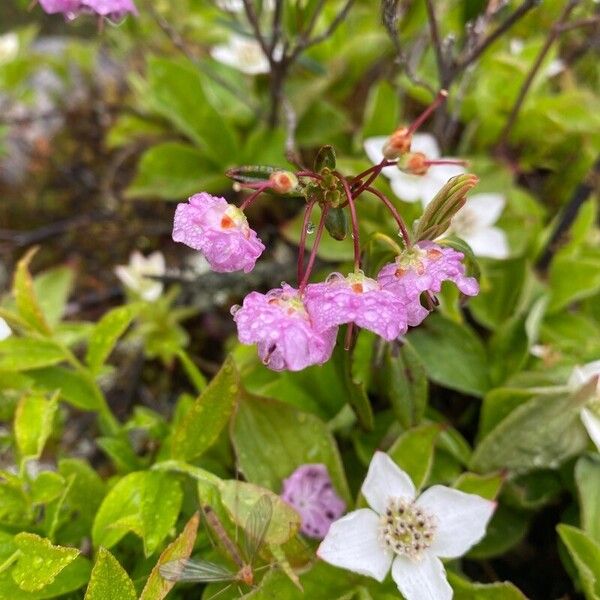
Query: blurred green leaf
{"type": "Point", "coordinates": [486, 486]}
{"type": "Point", "coordinates": [52, 289]}
{"type": "Point", "coordinates": [23, 354]}
{"type": "Point", "coordinates": [33, 424]}
{"type": "Point", "coordinates": [587, 479]}
{"type": "Point", "coordinates": [466, 590]}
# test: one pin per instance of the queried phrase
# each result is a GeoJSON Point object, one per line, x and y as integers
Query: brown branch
{"type": "Point", "coordinates": [550, 39]}
{"type": "Point", "coordinates": [463, 62]}
{"type": "Point", "coordinates": [436, 40]}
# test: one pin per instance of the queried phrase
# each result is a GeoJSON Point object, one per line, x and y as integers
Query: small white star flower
{"type": "Point", "coordinates": [474, 223]}
{"type": "Point", "coordinates": [136, 276]}
{"type": "Point", "coordinates": [9, 47]}
{"type": "Point", "coordinates": [5, 330]}
{"type": "Point", "coordinates": [412, 188]}
{"type": "Point", "coordinates": [405, 532]}
{"type": "Point", "coordinates": [237, 6]}
{"type": "Point", "coordinates": [244, 54]}
{"type": "Point", "coordinates": [580, 376]}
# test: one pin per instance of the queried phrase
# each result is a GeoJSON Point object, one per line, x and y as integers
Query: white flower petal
{"type": "Point", "coordinates": [243, 54]}
{"type": "Point", "coordinates": [407, 187]}
{"type": "Point", "coordinates": [484, 209]}
{"type": "Point", "coordinates": [436, 178]}
{"type": "Point", "coordinates": [374, 148]}
{"type": "Point", "coordinates": [5, 330]}
{"type": "Point", "coordinates": [592, 424]}
{"type": "Point", "coordinates": [461, 519]}
{"type": "Point", "coordinates": [385, 480]}
{"type": "Point", "coordinates": [421, 580]}
{"type": "Point", "coordinates": [155, 264]}
{"type": "Point", "coordinates": [151, 291]}
{"type": "Point", "coordinates": [425, 143]}
{"type": "Point", "coordinates": [488, 241]}
{"type": "Point", "coordinates": [582, 374]}
{"type": "Point", "coordinates": [352, 543]}
{"type": "Point", "coordinates": [128, 277]}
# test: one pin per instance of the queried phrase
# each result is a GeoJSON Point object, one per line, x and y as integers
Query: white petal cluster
{"type": "Point", "coordinates": [136, 276]}
{"type": "Point", "coordinates": [242, 53]}
{"type": "Point", "coordinates": [405, 532]}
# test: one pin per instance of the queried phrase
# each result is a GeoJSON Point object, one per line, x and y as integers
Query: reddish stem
{"type": "Point", "coordinates": [308, 174]}
{"type": "Point", "coordinates": [252, 197]}
{"type": "Point", "coordinates": [395, 214]}
{"type": "Point", "coordinates": [302, 247]}
{"type": "Point", "coordinates": [377, 167]}
{"type": "Point", "coordinates": [348, 338]}
{"type": "Point", "coordinates": [353, 218]}
{"type": "Point", "coordinates": [313, 252]}
{"type": "Point", "coordinates": [441, 97]}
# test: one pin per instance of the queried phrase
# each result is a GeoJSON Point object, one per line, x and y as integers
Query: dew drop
{"type": "Point", "coordinates": [310, 228]}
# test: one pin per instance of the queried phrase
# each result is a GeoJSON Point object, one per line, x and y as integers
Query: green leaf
{"type": "Point", "coordinates": [176, 93]}
{"type": "Point", "coordinates": [573, 278]}
{"type": "Point", "coordinates": [108, 580]}
{"type": "Point", "coordinates": [39, 562]}
{"type": "Point", "coordinates": [145, 502]}
{"type": "Point", "coordinates": [157, 587]}
{"type": "Point", "coordinates": [75, 388]}
{"type": "Point", "coordinates": [381, 110]}
{"type": "Point", "coordinates": [501, 288]}
{"type": "Point", "coordinates": [404, 383]}
{"type": "Point", "coordinates": [541, 433]}
{"type": "Point", "coordinates": [172, 171]}
{"type": "Point", "coordinates": [587, 478]}
{"type": "Point", "coordinates": [161, 502]}
{"type": "Point", "coordinates": [466, 590]}
{"type": "Point", "coordinates": [486, 486]}
{"type": "Point", "coordinates": [208, 416]}
{"type": "Point", "coordinates": [506, 529]}
{"type": "Point", "coordinates": [105, 334]}
{"type": "Point", "coordinates": [52, 289]}
{"type": "Point", "coordinates": [452, 355]}
{"type": "Point", "coordinates": [272, 439]}
{"type": "Point", "coordinates": [46, 487]}
{"type": "Point", "coordinates": [33, 424]}
{"type": "Point", "coordinates": [585, 553]}
{"type": "Point", "coordinates": [239, 498]}
{"type": "Point", "coordinates": [25, 296]}
{"type": "Point", "coordinates": [413, 452]}
{"type": "Point", "coordinates": [325, 158]}
{"type": "Point", "coordinates": [498, 404]}
{"type": "Point", "coordinates": [23, 354]}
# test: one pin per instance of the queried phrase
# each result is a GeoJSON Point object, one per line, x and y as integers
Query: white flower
{"type": "Point", "coordinates": [412, 188]}
{"type": "Point", "coordinates": [406, 533]}
{"type": "Point", "coordinates": [580, 376]}
{"type": "Point", "coordinates": [136, 275]}
{"type": "Point", "coordinates": [242, 53]}
{"type": "Point", "coordinates": [474, 224]}
{"type": "Point", "coordinates": [9, 46]}
{"type": "Point", "coordinates": [5, 330]}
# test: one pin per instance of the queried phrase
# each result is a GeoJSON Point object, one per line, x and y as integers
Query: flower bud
{"type": "Point", "coordinates": [283, 182]}
{"type": "Point", "coordinates": [397, 144]}
{"type": "Point", "coordinates": [414, 163]}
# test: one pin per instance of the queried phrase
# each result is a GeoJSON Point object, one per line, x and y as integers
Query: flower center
{"type": "Point", "coordinates": [234, 218]}
{"type": "Point", "coordinates": [360, 283]}
{"type": "Point", "coordinates": [406, 529]}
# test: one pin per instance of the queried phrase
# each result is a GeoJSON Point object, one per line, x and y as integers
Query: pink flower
{"type": "Point", "coordinates": [423, 268]}
{"type": "Point", "coordinates": [309, 490]}
{"type": "Point", "coordinates": [356, 299]}
{"type": "Point", "coordinates": [220, 231]}
{"type": "Point", "coordinates": [111, 9]}
{"type": "Point", "coordinates": [281, 327]}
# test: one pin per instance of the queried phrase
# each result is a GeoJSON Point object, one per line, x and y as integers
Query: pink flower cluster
{"type": "Point", "coordinates": [295, 328]}
{"type": "Point", "coordinates": [114, 10]}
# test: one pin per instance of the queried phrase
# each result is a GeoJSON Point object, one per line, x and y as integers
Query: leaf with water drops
{"type": "Point", "coordinates": [39, 561]}
{"type": "Point", "coordinates": [33, 424]}
{"type": "Point", "coordinates": [108, 580]}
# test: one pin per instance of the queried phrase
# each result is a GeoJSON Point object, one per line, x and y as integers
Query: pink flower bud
{"type": "Point", "coordinates": [283, 182]}
{"type": "Point", "coordinates": [310, 491]}
{"type": "Point", "coordinates": [280, 325]}
{"type": "Point", "coordinates": [220, 231]}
